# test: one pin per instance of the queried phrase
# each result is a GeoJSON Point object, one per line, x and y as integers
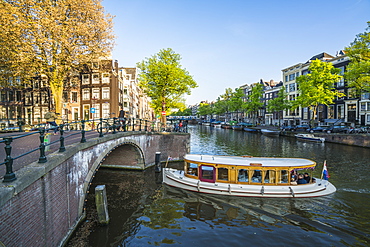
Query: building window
{"type": "Point", "coordinates": [97, 110]}
{"type": "Point", "coordinates": [65, 96]}
{"type": "Point", "coordinates": [95, 93]}
{"type": "Point", "coordinates": [341, 91]}
{"type": "Point", "coordinates": [105, 110]}
{"type": "Point", "coordinates": [363, 106]}
{"type": "Point", "coordinates": [105, 78]}
{"type": "Point", "coordinates": [18, 96]}
{"type": "Point", "coordinates": [28, 98]}
{"type": "Point", "coordinates": [95, 78]}
{"type": "Point", "coordinates": [124, 104]}
{"type": "Point", "coordinates": [125, 91]}
{"type": "Point", "coordinates": [368, 118]}
{"type": "Point", "coordinates": [44, 98]}
{"type": "Point", "coordinates": [105, 93]}
{"type": "Point", "coordinates": [340, 111]}
{"type": "Point", "coordinates": [95, 65]}
{"type": "Point", "coordinates": [365, 96]}
{"type": "Point", "coordinates": [86, 94]}
{"type": "Point", "coordinates": [368, 106]}
{"type": "Point", "coordinates": [292, 87]}
{"type": "Point", "coordinates": [85, 79]}
{"type": "Point", "coordinates": [74, 97]}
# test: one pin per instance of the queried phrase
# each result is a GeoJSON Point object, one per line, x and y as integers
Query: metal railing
{"type": "Point", "coordinates": [103, 126]}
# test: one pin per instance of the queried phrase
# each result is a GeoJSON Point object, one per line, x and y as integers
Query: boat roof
{"type": "Point", "coordinates": [248, 160]}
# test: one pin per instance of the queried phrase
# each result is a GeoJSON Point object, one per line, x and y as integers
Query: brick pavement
{"type": "Point", "coordinates": [25, 144]}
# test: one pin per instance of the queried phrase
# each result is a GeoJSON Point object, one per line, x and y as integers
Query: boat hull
{"type": "Point", "coordinates": [270, 132]}
{"type": "Point", "coordinates": [176, 178]}
{"type": "Point", "coordinates": [310, 138]}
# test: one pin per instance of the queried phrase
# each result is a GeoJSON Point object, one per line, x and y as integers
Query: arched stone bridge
{"type": "Point", "coordinates": [46, 202]}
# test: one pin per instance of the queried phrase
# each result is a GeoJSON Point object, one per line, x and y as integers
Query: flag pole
{"type": "Point", "coordinates": [323, 167]}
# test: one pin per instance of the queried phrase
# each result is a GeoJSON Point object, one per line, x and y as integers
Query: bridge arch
{"type": "Point", "coordinates": [47, 199]}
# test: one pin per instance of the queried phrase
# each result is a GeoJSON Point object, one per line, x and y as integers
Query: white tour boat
{"type": "Point", "coordinates": [309, 137]}
{"type": "Point", "coordinates": [246, 176]}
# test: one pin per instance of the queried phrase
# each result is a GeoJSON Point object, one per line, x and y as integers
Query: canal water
{"type": "Point", "coordinates": [144, 212]}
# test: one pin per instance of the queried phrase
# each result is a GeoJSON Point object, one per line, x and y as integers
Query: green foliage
{"type": "Point", "coordinates": [205, 109]}
{"type": "Point", "coordinates": [358, 71]}
{"type": "Point", "coordinates": [254, 103]}
{"type": "Point", "coordinates": [280, 103]}
{"type": "Point", "coordinates": [317, 87]}
{"type": "Point", "coordinates": [164, 80]}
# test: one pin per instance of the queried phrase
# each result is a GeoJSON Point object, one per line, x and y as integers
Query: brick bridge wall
{"type": "Point", "coordinates": [46, 202]}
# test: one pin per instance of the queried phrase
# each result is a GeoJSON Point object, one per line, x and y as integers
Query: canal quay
{"type": "Point", "coordinates": [144, 212]}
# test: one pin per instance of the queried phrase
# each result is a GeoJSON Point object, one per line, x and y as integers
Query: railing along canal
{"type": "Point", "coordinates": [66, 130]}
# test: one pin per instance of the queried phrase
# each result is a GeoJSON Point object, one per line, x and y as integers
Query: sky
{"type": "Point", "coordinates": [227, 44]}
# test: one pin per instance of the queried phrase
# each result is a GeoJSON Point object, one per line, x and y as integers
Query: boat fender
{"type": "Point", "coordinates": [291, 191]}
{"type": "Point", "coordinates": [229, 189]}
{"type": "Point", "coordinates": [198, 186]}
{"type": "Point", "coordinates": [262, 190]}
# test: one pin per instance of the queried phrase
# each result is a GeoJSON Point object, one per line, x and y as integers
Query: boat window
{"type": "Point", "coordinates": [283, 176]}
{"type": "Point", "coordinates": [270, 177]}
{"type": "Point", "coordinates": [192, 169]}
{"type": "Point", "coordinates": [243, 175]}
{"type": "Point", "coordinates": [256, 176]}
{"type": "Point", "coordinates": [223, 174]}
{"type": "Point", "coordinates": [207, 172]}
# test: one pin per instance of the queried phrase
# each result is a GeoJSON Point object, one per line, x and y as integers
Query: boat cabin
{"type": "Point", "coordinates": [245, 169]}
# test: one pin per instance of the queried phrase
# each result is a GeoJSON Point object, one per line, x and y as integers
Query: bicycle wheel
{"type": "Point", "coordinates": [103, 127]}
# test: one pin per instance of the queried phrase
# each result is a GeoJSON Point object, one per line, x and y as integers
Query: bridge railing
{"type": "Point", "coordinates": [99, 127]}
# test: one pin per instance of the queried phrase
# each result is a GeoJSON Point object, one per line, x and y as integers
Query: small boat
{"type": "Point", "coordinates": [226, 126]}
{"type": "Point", "coordinates": [250, 130]}
{"type": "Point", "coordinates": [237, 127]}
{"type": "Point", "coordinates": [270, 132]}
{"type": "Point", "coordinates": [246, 176]}
{"type": "Point", "coordinates": [310, 137]}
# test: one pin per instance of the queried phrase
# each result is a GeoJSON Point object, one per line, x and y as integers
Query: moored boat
{"type": "Point", "coordinates": [270, 132]}
{"type": "Point", "coordinates": [246, 176]}
{"type": "Point", "coordinates": [310, 137]}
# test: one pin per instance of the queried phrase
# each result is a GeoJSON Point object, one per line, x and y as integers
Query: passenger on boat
{"type": "Point", "coordinates": [294, 176]}
{"type": "Point", "coordinates": [301, 179]}
{"type": "Point", "coordinates": [243, 177]}
{"type": "Point", "coordinates": [307, 177]}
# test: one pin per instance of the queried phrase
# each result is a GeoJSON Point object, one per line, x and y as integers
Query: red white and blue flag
{"type": "Point", "coordinates": [325, 173]}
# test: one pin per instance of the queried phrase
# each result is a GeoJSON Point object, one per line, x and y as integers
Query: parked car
{"type": "Point", "coordinates": [337, 129]}
{"type": "Point", "coordinates": [287, 128]}
{"type": "Point", "coordinates": [318, 129]}
{"type": "Point", "coordinates": [302, 127]}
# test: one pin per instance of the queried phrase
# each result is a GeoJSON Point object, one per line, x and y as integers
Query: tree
{"type": "Point", "coordinates": [164, 80]}
{"type": "Point", "coordinates": [254, 103]}
{"type": "Point", "coordinates": [205, 109]}
{"type": "Point", "coordinates": [317, 87]}
{"type": "Point", "coordinates": [237, 103]}
{"type": "Point", "coordinates": [52, 38]}
{"type": "Point", "coordinates": [280, 103]}
{"type": "Point", "coordinates": [358, 71]}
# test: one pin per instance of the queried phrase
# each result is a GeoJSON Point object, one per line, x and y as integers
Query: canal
{"type": "Point", "coordinates": [143, 212]}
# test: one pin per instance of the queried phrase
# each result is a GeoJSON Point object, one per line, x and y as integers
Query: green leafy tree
{"type": "Point", "coordinates": [205, 109]}
{"type": "Point", "coordinates": [164, 80]}
{"type": "Point", "coordinates": [280, 103]}
{"type": "Point", "coordinates": [236, 101]}
{"type": "Point", "coordinates": [317, 87]}
{"type": "Point", "coordinates": [254, 103]}
{"type": "Point", "coordinates": [51, 38]}
{"type": "Point", "coordinates": [358, 70]}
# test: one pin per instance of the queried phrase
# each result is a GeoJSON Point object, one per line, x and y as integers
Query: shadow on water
{"type": "Point", "coordinates": [146, 213]}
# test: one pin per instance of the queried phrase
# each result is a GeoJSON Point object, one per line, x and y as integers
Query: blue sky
{"type": "Point", "coordinates": [226, 44]}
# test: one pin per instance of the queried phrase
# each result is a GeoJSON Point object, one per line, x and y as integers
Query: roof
{"type": "Point", "coordinates": [247, 160]}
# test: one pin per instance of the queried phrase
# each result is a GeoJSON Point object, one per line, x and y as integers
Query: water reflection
{"type": "Point", "coordinates": [145, 213]}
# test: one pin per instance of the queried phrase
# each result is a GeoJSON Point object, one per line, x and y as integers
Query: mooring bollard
{"type": "Point", "coordinates": [101, 204]}
{"type": "Point", "coordinates": [157, 161]}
